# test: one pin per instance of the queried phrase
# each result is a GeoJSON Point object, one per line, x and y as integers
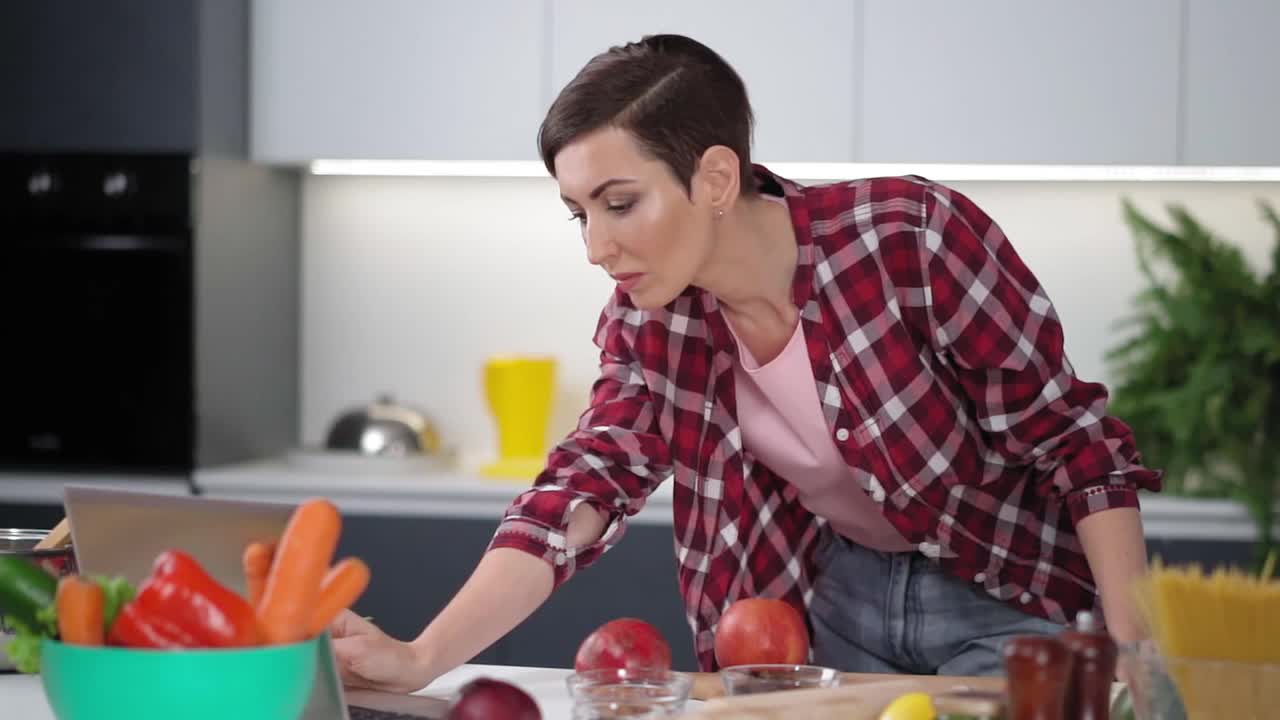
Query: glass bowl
{"type": "Point", "coordinates": [608, 710]}
{"type": "Point", "coordinates": [753, 679]}
{"type": "Point", "coordinates": [1175, 688]}
{"type": "Point", "coordinates": [631, 687]}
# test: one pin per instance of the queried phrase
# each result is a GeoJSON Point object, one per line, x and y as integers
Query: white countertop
{"type": "Point", "coordinates": [21, 696]}
{"type": "Point", "coordinates": [46, 488]}
{"type": "Point", "coordinates": [382, 486]}
{"type": "Point", "coordinates": [385, 486]}
{"type": "Point", "coordinates": [464, 495]}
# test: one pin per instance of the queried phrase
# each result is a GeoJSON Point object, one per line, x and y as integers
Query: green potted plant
{"type": "Point", "coordinates": [1197, 374]}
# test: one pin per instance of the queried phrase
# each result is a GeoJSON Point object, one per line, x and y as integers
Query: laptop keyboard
{"type": "Point", "coordinates": [356, 712]}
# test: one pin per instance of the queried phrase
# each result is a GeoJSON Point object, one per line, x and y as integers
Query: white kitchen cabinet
{"type": "Point", "coordinates": [798, 61]}
{"type": "Point", "coordinates": [422, 79]}
{"type": "Point", "coordinates": [1008, 81]}
{"type": "Point", "coordinates": [1232, 110]}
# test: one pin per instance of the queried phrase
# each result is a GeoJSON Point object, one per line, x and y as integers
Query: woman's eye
{"type": "Point", "coordinates": [620, 208]}
{"type": "Point", "coordinates": [578, 217]}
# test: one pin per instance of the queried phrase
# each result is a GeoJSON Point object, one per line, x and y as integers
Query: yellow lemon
{"type": "Point", "coordinates": [911, 706]}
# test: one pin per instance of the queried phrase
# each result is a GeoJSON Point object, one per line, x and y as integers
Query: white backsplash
{"type": "Point", "coordinates": [410, 283]}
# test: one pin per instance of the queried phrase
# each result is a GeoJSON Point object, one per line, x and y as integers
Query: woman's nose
{"type": "Point", "coordinates": [599, 246]}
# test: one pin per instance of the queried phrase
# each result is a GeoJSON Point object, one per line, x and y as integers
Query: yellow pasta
{"type": "Point", "coordinates": [1219, 636]}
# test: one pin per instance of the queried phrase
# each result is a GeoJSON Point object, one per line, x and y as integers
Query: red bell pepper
{"type": "Point", "coordinates": [180, 606]}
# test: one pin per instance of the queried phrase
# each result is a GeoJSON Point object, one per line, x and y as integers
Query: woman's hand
{"type": "Point", "coordinates": [506, 587]}
{"type": "Point", "coordinates": [369, 658]}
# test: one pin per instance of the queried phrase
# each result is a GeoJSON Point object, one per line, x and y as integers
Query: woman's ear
{"type": "Point", "coordinates": [716, 180]}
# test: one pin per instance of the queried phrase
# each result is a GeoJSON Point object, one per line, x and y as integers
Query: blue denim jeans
{"type": "Point", "coordinates": [882, 612]}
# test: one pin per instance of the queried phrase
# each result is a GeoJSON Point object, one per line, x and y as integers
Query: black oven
{"type": "Point", "coordinates": [97, 369]}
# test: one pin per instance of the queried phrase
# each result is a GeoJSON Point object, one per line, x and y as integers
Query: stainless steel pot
{"type": "Point", "coordinates": [58, 561]}
{"type": "Point", "coordinates": [384, 428]}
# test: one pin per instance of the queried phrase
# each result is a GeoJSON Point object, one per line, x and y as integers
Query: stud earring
{"type": "Point", "coordinates": [719, 212]}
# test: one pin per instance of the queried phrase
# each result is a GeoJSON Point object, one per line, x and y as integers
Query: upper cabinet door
{"type": "Point", "coordinates": [1007, 81]}
{"type": "Point", "coordinates": [98, 76]}
{"type": "Point", "coordinates": [797, 60]}
{"type": "Point", "coordinates": [425, 79]}
{"type": "Point", "coordinates": [1233, 96]}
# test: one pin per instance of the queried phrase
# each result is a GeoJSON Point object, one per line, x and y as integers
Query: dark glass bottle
{"type": "Point", "coordinates": [1037, 670]}
{"type": "Point", "coordinates": [1093, 668]}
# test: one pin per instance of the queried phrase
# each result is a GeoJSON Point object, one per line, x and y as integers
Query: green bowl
{"type": "Point", "coordinates": [113, 683]}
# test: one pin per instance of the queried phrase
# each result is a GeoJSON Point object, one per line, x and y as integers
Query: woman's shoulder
{"type": "Point", "coordinates": [856, 224]}
{"type": "Point", "coordinates": [838, 207]}
{"type": "Point", "coordinates": [869, 227]}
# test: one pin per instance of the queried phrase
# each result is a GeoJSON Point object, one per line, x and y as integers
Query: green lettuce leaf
{"type": "Point", "coordinates": [117, 591]}
{"type": "Point", "coordinates": [47, 617]}
{"type": "Point", "coordinates": [24, 648]}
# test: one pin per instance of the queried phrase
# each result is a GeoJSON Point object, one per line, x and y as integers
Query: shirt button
{"type": "Point", "coordinates": [842, 434]}
{"type": "Point", "coordinates": [561, 558]}
{"type": "Point", "coordinates": [980, 578]}
{"type": "Point", "coordinates": [1026, 598]}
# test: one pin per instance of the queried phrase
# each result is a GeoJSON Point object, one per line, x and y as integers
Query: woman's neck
{"type": "Point", "coordinates": [753, 261]}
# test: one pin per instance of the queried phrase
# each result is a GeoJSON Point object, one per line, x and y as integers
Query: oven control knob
{"type": "Point", "coordinates": [116, 184]}
{"type": "Point", "coordinates": [41, 183]}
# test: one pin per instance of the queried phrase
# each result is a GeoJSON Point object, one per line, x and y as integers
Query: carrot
{"type": "Point", "coordinates": [257, 565]}
{"type": "Point", "coordinates": [80, 603]}
{"type": "Point", "coordinates": [344, 583]}
{"type": "Point", "coordinates": [302, 558]}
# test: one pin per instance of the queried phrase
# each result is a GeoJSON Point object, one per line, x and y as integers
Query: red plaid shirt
{"type": "Point", "coordinates": [940, 369]}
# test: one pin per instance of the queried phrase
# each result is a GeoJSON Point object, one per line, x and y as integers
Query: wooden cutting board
{"type": "Point", "coordinates": [847, 702]}
{"type": "Point", "coordinates": [707, 686]}
{"type": "Point", "coordinates": [859, 697]}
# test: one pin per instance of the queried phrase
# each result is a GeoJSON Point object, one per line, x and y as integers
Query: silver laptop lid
{"type": "Point", "coordinates": [118, 532]}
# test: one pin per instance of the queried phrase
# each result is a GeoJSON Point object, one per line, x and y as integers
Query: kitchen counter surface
{"type": "Point", "coordinates": [388, 488]}
{"type": "Point", "coordinates": [22, 696]}
{"type": "Point", "coordinates": [378, 486]}
{"type": "Point", "coordinates": [36, 488]}
{"type": "Point", "coordinates": [385, 487]}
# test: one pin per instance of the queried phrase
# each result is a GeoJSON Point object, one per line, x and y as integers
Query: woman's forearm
{"type": "Point", "coordinates": [1116, 549]}
{"type": "Point", "coordinates": [506, 588]}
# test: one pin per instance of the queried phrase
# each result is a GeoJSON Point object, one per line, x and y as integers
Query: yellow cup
{"type": "Point", "coordinates": [520, 390]}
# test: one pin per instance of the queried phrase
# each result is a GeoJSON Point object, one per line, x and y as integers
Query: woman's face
{"type": "Point", "coordinates": [637, 222]}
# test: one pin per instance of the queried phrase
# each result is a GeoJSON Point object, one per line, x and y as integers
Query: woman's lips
{"type": "Point", "coordinates": [628, 281]}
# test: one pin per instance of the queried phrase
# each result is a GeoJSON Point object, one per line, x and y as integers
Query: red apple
{"type": "Point", "coordinates": [624, 643]}
{"type": "Point", "coordinates": [489, 699]}
{"type": "Point", "coordinates": [761, 631]}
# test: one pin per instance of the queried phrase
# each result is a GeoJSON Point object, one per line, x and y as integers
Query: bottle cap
{"type": "Point", "coordinates": [1086, 622]}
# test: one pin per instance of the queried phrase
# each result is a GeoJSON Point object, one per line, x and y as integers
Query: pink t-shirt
{"type": "Point", "coordinates": [783, 427]}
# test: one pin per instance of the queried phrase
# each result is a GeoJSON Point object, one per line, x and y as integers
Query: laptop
{"type": "Point", "coordinates": [120, 532]}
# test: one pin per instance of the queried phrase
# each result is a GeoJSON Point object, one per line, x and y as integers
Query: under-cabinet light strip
{"type": "Point", "coordinates": [841, 171]}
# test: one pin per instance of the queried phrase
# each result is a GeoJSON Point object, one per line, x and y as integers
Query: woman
{"type": "Point", "coordinates": [859, 390]}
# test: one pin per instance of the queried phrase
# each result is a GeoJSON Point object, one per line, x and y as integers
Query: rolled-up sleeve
{"type": "Point", "coordinates": [989, 316]}
{"type": "Point", "coordinates": [612, 461]}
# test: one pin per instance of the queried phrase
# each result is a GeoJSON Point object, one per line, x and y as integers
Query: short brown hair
{"type": "Point", "coordinates": [676, 96]}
